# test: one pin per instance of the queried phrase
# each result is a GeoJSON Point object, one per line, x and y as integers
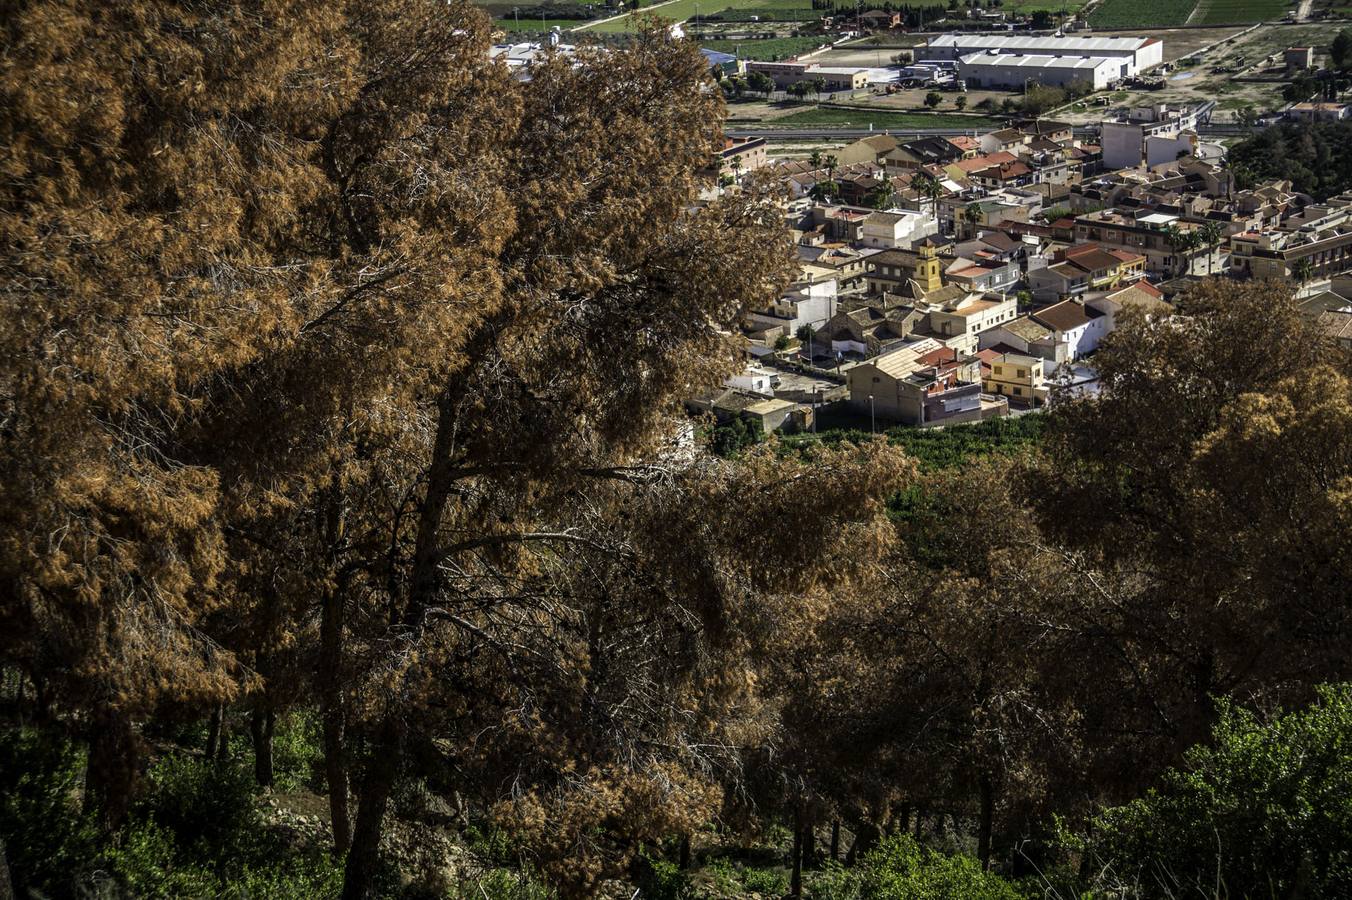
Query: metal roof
{"type": "Point", "coordinates": [1036, 62]}
{"type": "Point", "coordinates": [1039, 44]}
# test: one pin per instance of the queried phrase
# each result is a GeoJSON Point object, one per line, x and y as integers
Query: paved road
{"type": "Point", "coordinates": [822, 133]}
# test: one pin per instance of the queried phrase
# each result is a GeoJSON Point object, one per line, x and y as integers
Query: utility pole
{"type": "Point", "coordinates": [872, 419]}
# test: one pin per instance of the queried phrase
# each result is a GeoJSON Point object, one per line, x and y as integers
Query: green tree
{"type": "Point", "coordinates": [1302, 270]}
{"type": "Point", "coordinates": [928, 188]}
{"type": "Point", "coordinates": [1264, 808]}
{"type": "Point", "coordinates": [960, 102]}
{"type": "Point", "coordinates": [933, 99]}
{"type": "Point", "coordinates": [1340, 50]}
{"type": "Point", "coordinates": [1164, 445]}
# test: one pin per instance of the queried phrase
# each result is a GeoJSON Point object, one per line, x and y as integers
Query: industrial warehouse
{"type": "Point", "coordinates": [1002, 61]}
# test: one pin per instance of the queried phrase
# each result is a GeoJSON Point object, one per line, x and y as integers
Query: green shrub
{"type": "Point", "coordinates": [47, 839]}
{"type": "Point", "coordinates": [298, 752]}
{"type": "Point", "coordinates": [834, 882]}
{"type": "Point", "coordinates": [195, 832]}
{"type": "Point", "coordinates": [1265, 809]}
{"type": "Point", "coordinates": [900, 869]}
{"type": "Point", "coordinates": [660, 879]}
{"type": "Point", "coordinates": [502, 884]}
{"type": "Point", "coordinates": [773, 882]}
{"type": "Point", "coordinates": [208, 807]}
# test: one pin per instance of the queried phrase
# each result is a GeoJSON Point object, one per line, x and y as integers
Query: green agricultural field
{"type": "Point", "coordinates": [1070, 7]}
{"type": "Point", "coordinates": [680, 10]}
{"type": "Point", "coordinates": [766, 14]}
{"type": "Point", "coordinates": [534, 24]}
{"type": "Point", "coordinates": [768, 49]}
{"type": "Point", "coordinates": [1139, 13]}
{"type": "Point", "coordinates": [862, 118]}
{"type": "Point", "coordinates": [1234, 12]}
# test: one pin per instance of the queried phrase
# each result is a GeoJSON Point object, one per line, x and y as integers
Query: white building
{"type": "Point", "coordinates": [806, 303]}
{"type": "Point", "coordinates": [1127, 145]}
{"type": "Point", "coordinates": [756, 379]}
{"type": "Point", "coordinates": [1138, 54]}
{"type": "Point", "coordinates": [993, 69]}
{"type": "Point", "coordinates": [897, 229]}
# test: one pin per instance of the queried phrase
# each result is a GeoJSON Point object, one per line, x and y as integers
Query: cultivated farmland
{"type": "Point", "coordinates": [1230, 12]}
{"type": "Point", "coordinates": [768, 49]}
{"type": "Point", "coordinates": [680, 10]}
{"type": "Point", "coordinates": [1140, 13]}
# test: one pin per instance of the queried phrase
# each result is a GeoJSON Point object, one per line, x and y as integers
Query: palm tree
{"type": "Point", "coordinates": [973, 215]}
{"type": "Point", "coordinates": [1210, 235]}
{"type": "Point", "coordinates": [1180, 242]}
{"type": "Point", "coordinates": [1303, 270]}
{"type": "Point", "coordinates": [929, 188]}
{"type": "Point", "coordinates": [815, 159]}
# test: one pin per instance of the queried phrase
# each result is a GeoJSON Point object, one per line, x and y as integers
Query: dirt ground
{"type": "Point", "coordinates": [1178, 42]}
{"type": "Point", "coordinates": [1201, 82]}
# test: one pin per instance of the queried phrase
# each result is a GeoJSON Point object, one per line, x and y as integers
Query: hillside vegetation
{"type": "Point", "coordinates": [1317, 159]}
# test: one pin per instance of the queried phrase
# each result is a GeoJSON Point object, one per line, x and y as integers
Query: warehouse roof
{"type": "Point", "coordinates": [1034, 62]}
{"type": "Point", "coordinates": [1042, 44]}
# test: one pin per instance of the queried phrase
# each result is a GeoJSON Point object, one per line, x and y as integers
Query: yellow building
{"type": "Point", "coordinates": [892, 271]}
{"type": "Point", "coordinates": [1018, 377]}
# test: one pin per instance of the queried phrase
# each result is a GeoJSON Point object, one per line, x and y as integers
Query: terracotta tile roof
{"type": "Point", "coordinates": [999, 240]}
{"type": "Point", "coordinates": [1066, 315]}
{"type": "Point", "coordinates": [1093, 258]}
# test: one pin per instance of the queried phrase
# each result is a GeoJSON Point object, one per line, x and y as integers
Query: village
{"type": "Point", "coordinates": [955, 278]}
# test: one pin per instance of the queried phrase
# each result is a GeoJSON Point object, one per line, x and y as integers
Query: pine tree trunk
{"type": "Point", "coordinates": [796, 881]}
{"type": "Point", "coordinates": [6, 886]}
{"type": "Point", "coordinates": [387, 750]}
{"type": "Point", "coordinates": [213, 732]}
{"type": "Point", "coordinates": [334, 718]}
{"type": "Point", "coordinates": [684, 862]}
{"type": "Point", "coordinates": [983, 836]}
{"type": "Point", "coordinates": [809, 846]}
{"type": "Point", "coordinates": [382, 769]}
{"type": "Point", "coordinates": [261, 725]}
{"type": "Point", "coordinates": [904, 817]}
{"type": "Point", "coordinates": [110, 771]}
{"type": "Point", "coordinates": [865, 839]}
{"type": "Point", "coordinates": [223, 748]}
{"type": "Point", "coordinates": [919, 819]}
{"type": "Point", "coordinates": [835, 840]}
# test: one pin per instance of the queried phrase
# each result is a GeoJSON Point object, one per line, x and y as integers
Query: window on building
{"type": "Point", "coordinates": [1018, 392]}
